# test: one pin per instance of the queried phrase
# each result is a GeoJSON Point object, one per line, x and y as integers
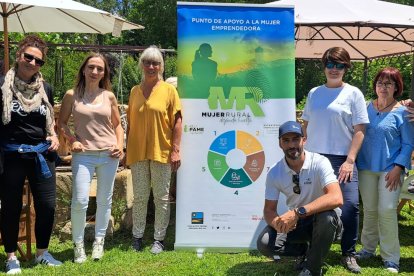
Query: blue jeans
{"type": "Point", "coordinates": [84, 165]}
{"type": "Point", "coordinates": [33, 152]}
{"type": "Point", "coordinates": [350, 209]}
{"type": "Point", "coordinates": [312, 236]}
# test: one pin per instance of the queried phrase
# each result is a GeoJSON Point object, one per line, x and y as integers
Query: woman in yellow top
{"type": "Point", "coordinates": [153, 145]}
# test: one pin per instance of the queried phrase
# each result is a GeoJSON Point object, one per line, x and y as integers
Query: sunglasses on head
{"type": "Point", "coordinates": [28, 58]}
{"type": "Point", "coordinates": [331, 65]}
{"type": "Point", "coordinates": [295, 180]}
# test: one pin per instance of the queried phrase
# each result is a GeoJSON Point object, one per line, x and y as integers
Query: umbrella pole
{"type": "Point", "coordinates": [412, 77]}
{"type": "Point", "coordinates": [364, 81]}
{"type": "Point", "coordinates": [6, 39]}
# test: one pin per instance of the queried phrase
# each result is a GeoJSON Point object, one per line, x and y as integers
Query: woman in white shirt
{"type": "Point", "coordinates": [334, 122]}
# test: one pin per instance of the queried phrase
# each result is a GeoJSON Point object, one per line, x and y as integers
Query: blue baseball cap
{"type": "Point", "coordinates": [290, 127]}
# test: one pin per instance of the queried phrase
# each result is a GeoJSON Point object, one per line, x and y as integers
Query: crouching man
{"type": "Point", "coordinates": [313, 196]}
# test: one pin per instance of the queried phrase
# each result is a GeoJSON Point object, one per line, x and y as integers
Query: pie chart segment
{"type": "Point", "coordinates": [236, 179]}
{"type": "Point", "coordinates": [224, 143]}
{"type": "Point", "coordinates": [217, 165]}
{"type": "Point", "coordinates": [247, 143]}
{"type": "Point", "coordinates": [254, 165]}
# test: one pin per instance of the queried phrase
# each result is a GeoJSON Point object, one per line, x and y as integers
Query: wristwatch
{"type": "Point", "coordinates": [301, 212]}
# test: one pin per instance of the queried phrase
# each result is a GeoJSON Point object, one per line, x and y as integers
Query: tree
{"type": "Point", "coordinates": [159, 19]}
{"type": "Point", "coordinates": [111, 6]}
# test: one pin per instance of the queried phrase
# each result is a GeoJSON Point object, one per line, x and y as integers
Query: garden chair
{"type": "Point", "coordinates": [405, 196]}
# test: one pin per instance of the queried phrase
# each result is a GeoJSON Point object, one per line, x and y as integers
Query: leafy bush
{"type": "Point", "coordinates": [126, 76]}
{"type": "Point", "coordinates": [60, 70]}
{"type": "Point", "coordinates": [170, 66]}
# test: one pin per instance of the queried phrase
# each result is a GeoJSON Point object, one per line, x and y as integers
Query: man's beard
{"type": "Point", "coordinates": [293, 155]}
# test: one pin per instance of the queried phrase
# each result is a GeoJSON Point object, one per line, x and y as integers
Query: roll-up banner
{"type": "Point", "coordinates": [236, 80]}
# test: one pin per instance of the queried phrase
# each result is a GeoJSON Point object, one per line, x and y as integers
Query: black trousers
{"type": "Point", "coordinates": [16, 169]}
{"type": "Point", "coordinates": [312, 237]}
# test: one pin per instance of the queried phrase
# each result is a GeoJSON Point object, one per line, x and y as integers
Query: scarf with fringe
{"type": "Point", "coordinates": [29, 95]}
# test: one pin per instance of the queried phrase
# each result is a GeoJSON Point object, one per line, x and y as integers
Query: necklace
{"type": "Point", "coordinates": [89, 98]}
{"type": "Point", "coordinates": [380, 110]}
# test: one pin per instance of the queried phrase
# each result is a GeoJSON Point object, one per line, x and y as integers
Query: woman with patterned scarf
{"type": "Point", "coordinates": [29, 143]}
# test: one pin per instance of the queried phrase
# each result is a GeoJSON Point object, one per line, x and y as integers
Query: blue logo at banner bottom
{"type": "Point", "coordinates": [197, 218]}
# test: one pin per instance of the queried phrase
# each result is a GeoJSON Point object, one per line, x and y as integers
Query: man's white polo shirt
{"type": "Point", "coordinates": [316, 173]}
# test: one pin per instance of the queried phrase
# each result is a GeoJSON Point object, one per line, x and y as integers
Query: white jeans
{"type": "Point", "coordinates": [380, 215]}
{"type": "Point", "coordinates": [144, 174]}
{"type": "Point", "coordinates": [84, 165]}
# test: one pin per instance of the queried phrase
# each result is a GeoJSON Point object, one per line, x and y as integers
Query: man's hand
{"type": "Point", "coordinates": [286, 222]}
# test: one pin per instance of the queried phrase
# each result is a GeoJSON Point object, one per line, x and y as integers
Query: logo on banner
{"type": "Point", "coordinates": [197, 218]}
{"type": "Point", "coordinates": [237, 99]}
{"type": "Point", "coordinates": [193, 129]}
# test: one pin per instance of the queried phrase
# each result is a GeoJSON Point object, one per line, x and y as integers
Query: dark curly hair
{"type": "Point", "coordinates": [32, 41]}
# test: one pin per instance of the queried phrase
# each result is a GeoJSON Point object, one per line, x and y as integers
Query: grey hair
{"type": "Point", "coordinates": [152, 53]}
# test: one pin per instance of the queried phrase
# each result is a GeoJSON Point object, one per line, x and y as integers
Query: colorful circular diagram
{"type": "Point", "coordinates": [236, 159]}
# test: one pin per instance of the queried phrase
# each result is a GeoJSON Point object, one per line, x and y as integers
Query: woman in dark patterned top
{"type": "Point", "coordinates": [29, 143]}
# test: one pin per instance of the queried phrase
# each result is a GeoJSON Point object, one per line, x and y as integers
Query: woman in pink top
{"type": "Point", "coordinates": [97, 146]}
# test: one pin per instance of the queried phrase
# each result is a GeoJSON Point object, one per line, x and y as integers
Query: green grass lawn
{"type": "Point", "coordinates": [119, 259]}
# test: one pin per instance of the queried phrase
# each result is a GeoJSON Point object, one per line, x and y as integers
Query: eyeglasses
{"type": "Point", "coordinates": [331, 65]}
{"type": "Point", "coordinates": [148, 63]}
{"type": "Point", "coordinates": [384, 84]}
{"type": "Point", "coordinates": [295, 180]}
{"type": "Point", "coordinates": [28, 58]}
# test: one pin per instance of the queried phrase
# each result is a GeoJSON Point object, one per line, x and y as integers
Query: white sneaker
{"type": "Point", "coordinates": [13, 266]}
{"type": "Point", "coordinates": [98, 248]}
{"type": "Point", "coordinates": [47, 259]}
{"type": "Point", "coordinates": [305, 272]}
{"type": "Point", "coordinates": [79, 255]}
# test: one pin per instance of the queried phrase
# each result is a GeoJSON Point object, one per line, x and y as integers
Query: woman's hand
{"type": "Point", "coordinates": [175, 160]}
{"type": "Point", "coordinates": [54, 142]}
{"type": "Point", "coordinates": [77, 147]}
{"type": "Point", "coordinates": [410, 116]}
{"type": "Point", "coordinates": [393, 179]}
{"type": "Point", "coordinates": [345, 171]}
{"type": "Point", "coordinates": [407, 103]}
{"type": "Point", "coordinates": [410, 108]}
{"type": "Point", "coordinates": [117, 152]}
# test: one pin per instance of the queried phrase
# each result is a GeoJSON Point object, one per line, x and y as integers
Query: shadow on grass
{"type": "Point", "coordinates": [406, 265]}
{"type": "Point", "coordinates": [405, 233]}
{"type": "Point", "coordinates": [373, 263]}
{"type": "Point", "coordinates": [281, 267]}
